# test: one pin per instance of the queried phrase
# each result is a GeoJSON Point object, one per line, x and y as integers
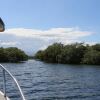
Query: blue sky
{"type": "Point", "coordinates": [82, 16]}
{"type": "Point", "coordinates": [43, 14]}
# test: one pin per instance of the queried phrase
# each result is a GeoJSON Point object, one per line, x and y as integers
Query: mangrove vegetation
{"type": "Point", "coordinates": [12, 54]}
{"type": "Point", "coordinates": [77, 53]}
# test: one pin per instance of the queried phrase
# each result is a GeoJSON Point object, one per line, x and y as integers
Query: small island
{"type": "Point", "coordinates": [12, 54]}
{"type": "Point", "coordinates": [77, 53]}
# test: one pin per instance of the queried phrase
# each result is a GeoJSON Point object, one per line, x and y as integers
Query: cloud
{"type": "Point", "coordinates": [50, 34]}
{"type": "Point", "coordinates": [8, 43]}
{"type": "Point", "coordinates": [32, 40]}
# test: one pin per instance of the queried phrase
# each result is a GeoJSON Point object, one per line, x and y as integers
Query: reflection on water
{"type": "Point", "coordinates": [42, 81]}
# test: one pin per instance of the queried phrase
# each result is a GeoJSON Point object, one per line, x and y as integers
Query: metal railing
{"type": "Point", "coordinates": [14, 79]}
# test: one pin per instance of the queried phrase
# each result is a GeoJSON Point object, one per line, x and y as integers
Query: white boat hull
{"type": "Point", "coordinates": [2, 96]}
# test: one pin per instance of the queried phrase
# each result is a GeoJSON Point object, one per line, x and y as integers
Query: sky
{"type": "Point", "coordinates": [34, 24]}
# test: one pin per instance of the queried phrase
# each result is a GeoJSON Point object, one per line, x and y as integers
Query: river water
{"type": "Point", "coordinates": [43, 81]}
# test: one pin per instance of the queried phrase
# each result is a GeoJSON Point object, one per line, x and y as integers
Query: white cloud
{"type": "Point", "coordinates": [52, 34]}
{"type": "Point", "coordinates": [32, 40]}
{"type": "Point", "coordinates": [43, 47]}
{"type": "Point", "coordinates": [8, 43]}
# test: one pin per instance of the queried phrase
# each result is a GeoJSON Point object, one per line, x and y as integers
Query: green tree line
{"type": "Point", "coordinates": [12, 54]}
{"type": "Point", "coordinates": [77, 53]}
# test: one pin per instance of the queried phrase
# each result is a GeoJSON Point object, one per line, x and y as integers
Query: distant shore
{"type": "Point", "coordinates": [12, 54]}
{"type": "Point", "coordinates": [77, 53]}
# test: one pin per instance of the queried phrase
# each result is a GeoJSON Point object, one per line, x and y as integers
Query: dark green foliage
{"type": "Point", "coordinates": [92, 56]}
{"type": "Point", "coordinates": [12, 54]}
{"type": "Point", "coordinates": [77, 53]}
{"type": "Point", "coordinates": [51, 53]}
{"type": "Point", "coordinates": [72, 54]}
{"type": "Point", "coordinates": [96, 47]}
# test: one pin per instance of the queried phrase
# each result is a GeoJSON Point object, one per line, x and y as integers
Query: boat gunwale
{"type": "Point", "coordinates": [14, 79]}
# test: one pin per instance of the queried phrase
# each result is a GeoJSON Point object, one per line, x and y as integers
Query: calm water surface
{"type": "Point", "coordinates": [42, 81]}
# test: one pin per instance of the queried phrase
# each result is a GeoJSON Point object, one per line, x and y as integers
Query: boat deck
{"type": "Point", "coordinates": [2, 96]}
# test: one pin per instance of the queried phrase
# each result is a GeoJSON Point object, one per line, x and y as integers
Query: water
{"type": "Point", "coordinates": [42, 81]}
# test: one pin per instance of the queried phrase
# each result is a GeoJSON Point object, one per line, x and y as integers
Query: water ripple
{"type": "Point", "coordinates": [42, 81]}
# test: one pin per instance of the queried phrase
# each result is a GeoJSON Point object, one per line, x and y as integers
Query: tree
{"type": "Point", "coordinates": [77, 53]}
{"type": "Point", "coordinates": [72, 53]}
{"type": "Point", "coordinates": [92, 57]}
{"type": "Point", "coordinates": [12, 54]}
{"type": "Point", "coordinates": [96, 47]}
